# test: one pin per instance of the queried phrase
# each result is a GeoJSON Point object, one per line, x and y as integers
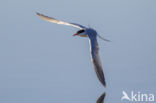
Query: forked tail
{"type": "Point", "coordinates": [103, 38]}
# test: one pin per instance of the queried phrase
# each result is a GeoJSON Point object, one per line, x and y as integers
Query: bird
{"type": "Point", "coordinates": [94, 48]}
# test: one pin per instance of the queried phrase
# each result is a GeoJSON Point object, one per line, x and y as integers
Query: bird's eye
{"type": "Point", "coordinates": [81, 31]}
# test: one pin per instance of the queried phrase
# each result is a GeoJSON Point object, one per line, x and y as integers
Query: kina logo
{"type": "Point", "coordinates": [137, 97]}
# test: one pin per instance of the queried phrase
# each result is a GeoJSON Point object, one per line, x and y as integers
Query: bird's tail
{"type": "Point", "coordinates": [103, 38]}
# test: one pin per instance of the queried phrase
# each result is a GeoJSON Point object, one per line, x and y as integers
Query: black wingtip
{"type": "Point", "coordinates": [101, 78]}
{"type": "Point", "coordinates": [104, 83]}
{"type": "Point", "coordinates": [38, 13]}
{"type": "Point", "coordinates": [101, 98]}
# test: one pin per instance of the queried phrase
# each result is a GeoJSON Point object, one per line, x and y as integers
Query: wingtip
{"type": "Point", "coordinates": [37, 13]}
{"type": "Point", "coordinates": [101, 98]}
{"type": "Point", "coordinates": [104, 84]}
{"type": "Point", "coordinates": [102, 80]}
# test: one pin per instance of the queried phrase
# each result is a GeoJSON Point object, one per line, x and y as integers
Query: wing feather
{"type": "Point", "coordinates": [96, 60]}
{"type": "Point", "coordinates": [53, 20]}
{"type": "Point", "coordinates": [101, 98]}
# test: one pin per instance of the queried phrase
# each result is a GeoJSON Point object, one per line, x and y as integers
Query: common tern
{"type": "Point", "coordinates": [94, 48]}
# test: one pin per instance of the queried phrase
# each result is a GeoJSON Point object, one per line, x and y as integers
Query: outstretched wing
{"type": "Point", "coordinates": [53, 20]}
{"type": "Point", "coordinates": [96, 60]}
{"type": "Point", "coordinates": [101, 98]}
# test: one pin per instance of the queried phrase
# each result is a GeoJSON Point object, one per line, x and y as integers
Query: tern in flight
{"type": "Point", "coordinates": [92, 35]}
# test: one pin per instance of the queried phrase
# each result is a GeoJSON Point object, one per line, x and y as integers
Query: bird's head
{"type": "Point", "coordinates": [81, 33]}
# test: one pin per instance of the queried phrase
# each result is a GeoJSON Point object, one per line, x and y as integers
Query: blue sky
{"type": "Point", "coordinates": [43, 62]}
